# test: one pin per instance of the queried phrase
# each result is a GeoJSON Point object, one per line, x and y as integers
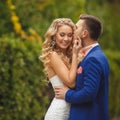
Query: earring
{"type": "Point", "coordinates": [53, 43]}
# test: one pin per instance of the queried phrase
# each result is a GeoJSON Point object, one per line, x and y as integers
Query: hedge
{"type": "Point", "coordinates": [114, 83]}
{"type": "Point", "coordinates": [22, 83]}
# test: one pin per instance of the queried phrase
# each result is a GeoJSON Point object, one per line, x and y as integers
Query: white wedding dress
{"type": "Point", "coordinates": [59, 109]}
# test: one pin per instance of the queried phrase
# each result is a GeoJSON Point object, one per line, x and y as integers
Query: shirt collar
{"type": "Point", "coordinates": [84, 51]}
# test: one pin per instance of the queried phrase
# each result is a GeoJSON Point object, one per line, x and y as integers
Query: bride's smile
{"type": "Point", "coordinates": [64, 37]}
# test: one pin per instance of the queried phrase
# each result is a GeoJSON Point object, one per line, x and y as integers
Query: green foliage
{"type": "Point", "coordinates": [5, 24]}
{"type": "Point", "coordinates": [22, 83]}
{"type": "Point", "coordinates": [114, 83]}
{"type": "Point", "coordinates": [39, 14]}
{"type": "Point", "coordinates": [110, 18]}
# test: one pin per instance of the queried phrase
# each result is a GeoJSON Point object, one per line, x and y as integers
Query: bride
{"type": "Point", "coordinates": [60, 59]}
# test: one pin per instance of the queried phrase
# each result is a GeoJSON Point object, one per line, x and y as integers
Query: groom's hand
{"type": "Point", "coordinates": [60, 92]}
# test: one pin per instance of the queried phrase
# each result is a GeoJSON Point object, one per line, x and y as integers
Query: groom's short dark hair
{"type": "Point", "coordinates": [93, 25]}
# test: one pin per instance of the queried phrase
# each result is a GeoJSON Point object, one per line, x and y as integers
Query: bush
{"type": "Point", "coordinates": [5, 23]}
{"type": "Point", "coordinates": [110, 24]}
{"type": "Point", "coordinates": [114, 84]}
{"type": "Point", "coordinates": [22, 87]}
{"type": "Point", "coordinates": [38, 14]}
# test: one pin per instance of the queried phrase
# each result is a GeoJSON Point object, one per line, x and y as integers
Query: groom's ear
{"type": "Point", "coordinates": [85, 33]}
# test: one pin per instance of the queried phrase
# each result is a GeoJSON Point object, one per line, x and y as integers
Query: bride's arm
{"type": "Point", "coordinates": [66, 75]}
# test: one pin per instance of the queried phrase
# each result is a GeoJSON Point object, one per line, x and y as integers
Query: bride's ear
{"type": "Point", "coordinates": [53, 37]}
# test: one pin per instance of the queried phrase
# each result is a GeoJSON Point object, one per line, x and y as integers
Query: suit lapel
{"type": "Point", "coordinates": [90, 52]}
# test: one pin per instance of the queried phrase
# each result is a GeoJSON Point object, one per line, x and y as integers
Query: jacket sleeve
{"type": "Point", "coordinates": [92, 77]}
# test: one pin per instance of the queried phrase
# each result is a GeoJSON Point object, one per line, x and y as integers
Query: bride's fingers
{"type": "Point", "coordinates": [79, 40]}
{"type": "Point", "coordinates": [77, 44]}
{"type": "Point", "coordinates": [57, 90]}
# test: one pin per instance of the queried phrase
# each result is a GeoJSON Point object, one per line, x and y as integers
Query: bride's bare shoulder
{"type": "Point", "coordinates": [54, 55]}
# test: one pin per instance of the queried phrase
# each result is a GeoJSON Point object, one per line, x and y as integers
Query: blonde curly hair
{"type": "Point", "coordinates": [48, 46]}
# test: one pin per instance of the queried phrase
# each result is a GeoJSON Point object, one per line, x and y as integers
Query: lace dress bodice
{"type": "Point", "coordinates": [59, 108]}
{"type": "Point", "coordinates": [55, 81]}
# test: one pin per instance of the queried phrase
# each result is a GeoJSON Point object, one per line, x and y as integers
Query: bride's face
{"type": "Point", "coordinates": [64, 37]}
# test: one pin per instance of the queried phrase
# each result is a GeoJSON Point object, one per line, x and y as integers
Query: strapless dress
{"type": "Point", "coordinates": [59, 109]}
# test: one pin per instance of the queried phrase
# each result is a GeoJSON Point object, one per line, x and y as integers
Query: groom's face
{"type": "Point", "coordinates": [79, 29]}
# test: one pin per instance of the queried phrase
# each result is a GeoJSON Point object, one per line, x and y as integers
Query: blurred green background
{"type": "Point", "coordinates": [24, 91]}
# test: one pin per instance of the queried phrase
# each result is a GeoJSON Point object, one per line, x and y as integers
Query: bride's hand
{"type": "Point", "coordinates": [60, 91]}
{"type": "Point", "coordinates": [77, 45]}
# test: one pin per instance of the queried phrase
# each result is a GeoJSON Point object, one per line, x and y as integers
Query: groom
{"type": "Point", "coordinates": [89, 99]}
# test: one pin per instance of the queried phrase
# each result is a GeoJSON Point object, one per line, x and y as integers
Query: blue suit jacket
{"type": "Point", "coordinates": [89, 99]}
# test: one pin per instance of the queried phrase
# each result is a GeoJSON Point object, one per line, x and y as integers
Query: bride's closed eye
{"type": "Point", "coordinates": [63, 34]}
